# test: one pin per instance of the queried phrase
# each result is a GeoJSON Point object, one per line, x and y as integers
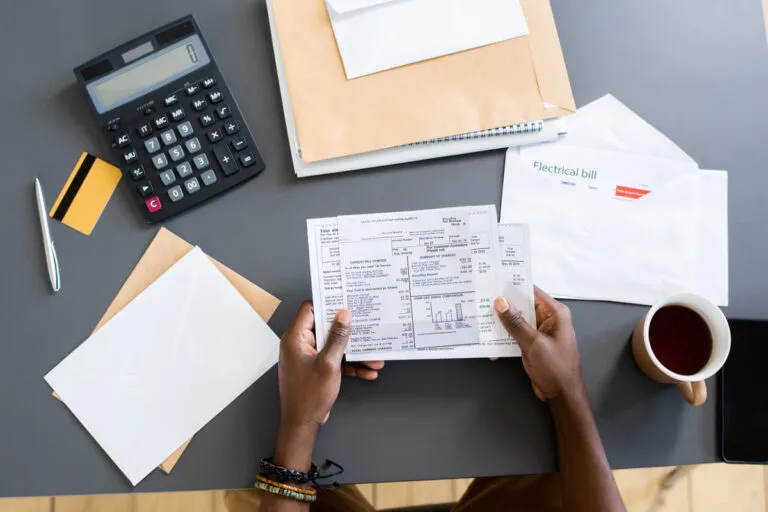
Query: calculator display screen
{"type": "Point", "coordinates": [148, 74]}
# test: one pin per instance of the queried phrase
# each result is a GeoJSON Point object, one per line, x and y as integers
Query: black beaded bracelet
{"type": "Point", "coordinates": [286, 475]}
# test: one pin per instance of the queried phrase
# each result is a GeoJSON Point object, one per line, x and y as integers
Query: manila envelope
{"type": "Point", "coordinates": [163, 252]}
{"type": "Point", "coordinates": [514, 81]}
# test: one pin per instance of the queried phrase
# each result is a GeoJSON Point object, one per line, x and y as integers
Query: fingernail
{"type": "Point", "coordinates": [501, 305]}
{"type": "Point", "coordinates": [344, 317]}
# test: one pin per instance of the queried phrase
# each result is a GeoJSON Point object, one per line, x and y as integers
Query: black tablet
{"type": "Point", "coordinates": [744, 394]}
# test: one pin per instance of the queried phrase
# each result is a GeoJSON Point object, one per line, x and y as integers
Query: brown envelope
{"type": "Point", "coordinates": [165, 250]}
{"type": "Point", "coordinates": [501, 84]}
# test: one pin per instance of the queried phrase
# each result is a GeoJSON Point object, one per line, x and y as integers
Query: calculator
{"type": "Point", "coordinates": [171, 121]}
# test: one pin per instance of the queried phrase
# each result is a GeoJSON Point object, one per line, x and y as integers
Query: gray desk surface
{"type": "Point", "coordinates": [696, 70]}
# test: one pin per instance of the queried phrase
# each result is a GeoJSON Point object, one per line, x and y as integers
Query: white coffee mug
{"type": "Point", "coordinates": [693, 387]}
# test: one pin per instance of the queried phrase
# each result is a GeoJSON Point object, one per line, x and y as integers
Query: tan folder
{"type": "Point", "coordinates": [164, 251]}
{"type": "Point", "coordinates": [510, 82]}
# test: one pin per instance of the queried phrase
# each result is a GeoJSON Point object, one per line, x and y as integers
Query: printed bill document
{"type": "Point", "coordinates": [420, 284]}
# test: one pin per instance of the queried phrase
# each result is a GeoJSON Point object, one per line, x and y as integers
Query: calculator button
{"type": "Point", "coordinates": [152, 145]}
{"type": "Point", "coordinates": [215, 96]}
{"type": "Point", "coordinates": [137, 172]}
{"type": "Point", "coordinates": [193, 145]}
{"type": "Point", "coordinates": [208, 82]}
{"type": "Point", "coordinates": [144, 129]}
{"type": "Point", "coordinates": [178, 114]}
{"type": "Point", "coordinates": [208, 177]}
{"type": "Point", "coordinates": [226, 160]}
{"type": "Point", "coordinates": [130, 156]}
{"type": "Point", "coordinates": [201, 161]}
{"type": "Point", "coordinates": [167, 177]}
{"type": "Point", "coordinates": [184, 169]}
{"type": "Point", "coordinates": [145, 189]}
{"type": "Point", "coordinates": [113, 126]}
{"type": "Point", "coordinates": [207, 120]}
{"type": "Point", "coordinates": [199, 104]}
{"type": "Point", "coordinates": [231, 127]}
{"type": "Point", "coordinates": [192, 185]}
{"type": "Point", "coordinates": [247, 159]}
{"type": "Point", "coordinates": [185, 129]}
{"type": "Point", "coordinates": [169, 137]}
{"type": "Point", "coordinates": [214, 135]}
{"type": "Point", "coordinates": [176, 153]}
{"type": "Point", "coordinates": [175, 193]}
{"type": "Point", "coordinates": [160, 161]}
{"type": "Point", "coordinates": [192, 90]}
{"type": "Point", "coordinates": [239, 143]}
{"type": "Point", "coordinates": [161, 121]}
{"type": "Point", "coordinates": [153, 204]}
{"type": "Point", "coordinates": [122, 140]}
{"type": "Point", "coordinates": [223, 112]}
{"type": "Point", "coordinates": [171, 100]}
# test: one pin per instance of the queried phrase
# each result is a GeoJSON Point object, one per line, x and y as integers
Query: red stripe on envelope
{"type": "Point", "coordinates": [630, 192]}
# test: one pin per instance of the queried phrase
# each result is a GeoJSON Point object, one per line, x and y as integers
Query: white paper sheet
{"type": "Point", "coordinates": [165, 365]}
{"type": "Point", "coordinates": [374, 35]}
{"type": "Point", "coordinates": [496, 268]}
{"type": "Point", "coordinates": [608, 124]}
{"type": "Point", "coordinates": [712, 238]}
{"type": "Point", "coordinates": [604, 226]}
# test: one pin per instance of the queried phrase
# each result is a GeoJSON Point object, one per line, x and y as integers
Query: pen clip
{"type": "Point", "coordinates": [56, 273]}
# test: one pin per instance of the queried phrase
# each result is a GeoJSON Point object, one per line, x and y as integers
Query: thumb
{"type": "Point", "coordinates": [338, 336]}
{"type": "Point", "coordinates": [514, 322]}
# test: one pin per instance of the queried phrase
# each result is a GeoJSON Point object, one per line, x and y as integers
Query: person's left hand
{"type": "Point", "coordinates": [310, 379]}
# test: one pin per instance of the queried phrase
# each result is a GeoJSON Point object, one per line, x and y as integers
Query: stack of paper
{"type": "Point", "coordinates": [618, 212]}
{"type": "Point", "coordinates": [420, 284]}
{"type": "Point", "coordinates": [165, 365]}
{"type": "Point", "coordinates": [368, 83]}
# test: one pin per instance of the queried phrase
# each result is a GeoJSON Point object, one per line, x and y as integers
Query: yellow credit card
{"type": "Point", "coordinates": [86, 193]}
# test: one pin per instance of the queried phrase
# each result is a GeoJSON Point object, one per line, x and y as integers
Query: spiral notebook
{"type": "Point", "coordinates": [515, 129]}
{"type": "Point", "coordinates": [502, 137]}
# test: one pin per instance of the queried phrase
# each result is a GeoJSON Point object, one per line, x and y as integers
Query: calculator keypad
{"type": "Point", "coordinates": [184, 169]}
{"type": "Point", "coordinates": [193, 145]}
{"type": "Point", "coordinates": [161, 122]}
{"type": "Point", "coordinates": [168, 137]}
{"type": "Point", "coordinates": [160, 161]}
{"type": "Point", "coordinates": [176, 153]}
{"type": "Point", "coordinates": [167, 177]}
{"type": "Point", "coordinates": [144, 129]}
{"type": "Point", "coordinates": [185, 129]}
{"type": "Point", "coordinates": [188, 153]}
{"type": "Point", "coordinates": [123, 140]}
{"type": "Point", "coordinates": [152, 145]}
{"type": "Point", "coordinates": [175, 193]}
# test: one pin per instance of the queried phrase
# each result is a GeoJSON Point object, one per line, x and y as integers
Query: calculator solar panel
{"type": "Point", "coordinates": [173, 125]}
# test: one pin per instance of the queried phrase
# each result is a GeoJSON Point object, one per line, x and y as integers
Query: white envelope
{"type": "Point", "coordinates": [165, 365]}
{"type": "Point", "coordinates": [608, 124]}
{"type": "Point", "coordinates": [605, 227]}
{"type": "Point", "coordinates": [374, 35]}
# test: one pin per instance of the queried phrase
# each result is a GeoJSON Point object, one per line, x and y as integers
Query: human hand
{"type": "Point", "coordinates": [550, 354]}
{"type": "Point", "coordinates": [310, 379]}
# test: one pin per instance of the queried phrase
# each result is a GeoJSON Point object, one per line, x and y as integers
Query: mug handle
{"type": "Point", "coordinates": [695, 393]}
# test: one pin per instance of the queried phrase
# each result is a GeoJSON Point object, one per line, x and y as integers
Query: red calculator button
{"type": "Point", "coordinates": [153, 204]}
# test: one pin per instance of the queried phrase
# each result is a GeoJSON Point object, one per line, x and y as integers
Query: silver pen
{"type": "Point", "coordinates": [51, 260]}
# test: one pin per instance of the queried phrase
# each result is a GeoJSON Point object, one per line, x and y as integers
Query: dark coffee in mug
{"type": "Point", "coordinates": [680, 339]}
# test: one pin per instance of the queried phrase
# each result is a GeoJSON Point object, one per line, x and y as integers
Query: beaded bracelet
{"type": "Point", "coordinates": [287, 475]}
{"type": "Point", "coordinates": [266, 480]}
{"type": "Point", "coordinates": [285, 493]}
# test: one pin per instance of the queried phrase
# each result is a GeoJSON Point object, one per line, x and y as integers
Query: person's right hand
{"type": "Point", "coordinates": [550, 354]}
